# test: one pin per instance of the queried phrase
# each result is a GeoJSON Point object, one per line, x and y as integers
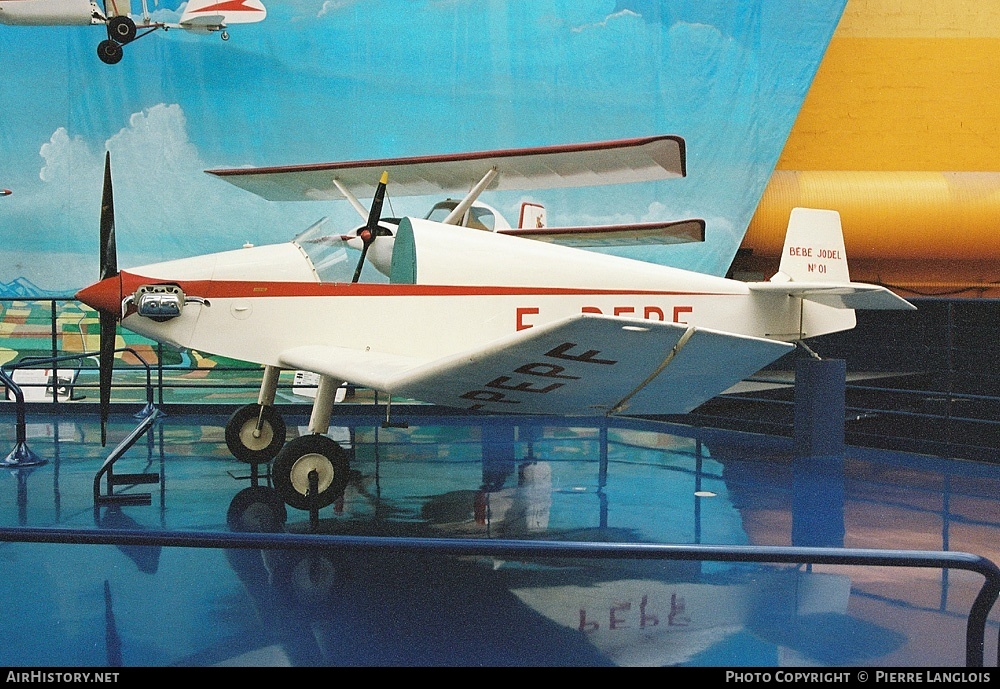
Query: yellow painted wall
{"type": "Point", "coordinates": [908, 93]}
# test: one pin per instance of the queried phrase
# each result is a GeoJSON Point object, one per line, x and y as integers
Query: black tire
{"type": "Point", "coordinates": [239, 434]}
{"type": "Point", "coordinates": [121, 29]}
{"type": "Point", "coordinates": [257, 509]}
{"type": "Point", "coordinates": [109, 52]}
{"type": "Point", "coordinates": [291, 468]}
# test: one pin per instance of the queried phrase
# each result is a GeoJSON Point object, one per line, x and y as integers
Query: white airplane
{"type": "Point", "coordinates": [482, 321]}
{"type": "Point", "coordinates": [199, 16]}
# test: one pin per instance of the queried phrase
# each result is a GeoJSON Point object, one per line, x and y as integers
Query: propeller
{"type": "Point", "coordinates": [372, 229]}
{"type": "Point", "coordinates": [109, 319]}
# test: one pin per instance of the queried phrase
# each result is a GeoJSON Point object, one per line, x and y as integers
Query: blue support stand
{"type": "Point", "coordinates": [818, 464]}
{"type": "Point", "coordinates": [820, 403]}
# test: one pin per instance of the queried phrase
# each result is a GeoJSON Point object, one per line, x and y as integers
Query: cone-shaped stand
{"type": "Point", "coordinates": [23, 456]}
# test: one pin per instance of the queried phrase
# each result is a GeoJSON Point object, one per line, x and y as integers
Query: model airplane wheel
{"type": "Point", "coordinates": [109, 52]}
{"type": "Point", "coordinates": [243, 440]}
{"type": "Point", "coordinates": [298, 459]}
{"type": "Point", "coordinates": [121, 29]}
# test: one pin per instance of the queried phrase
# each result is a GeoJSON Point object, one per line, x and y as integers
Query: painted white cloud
{"type": "Point", "coordinates": [165, 205]}
{"type": "Point", "coordinates": [332, 6]}
{"type": "Point", "coordinates": [604, 23]}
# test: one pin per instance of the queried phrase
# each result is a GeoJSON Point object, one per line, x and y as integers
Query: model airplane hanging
{"type": "Point", "coordinates": [481, 321]}
{"type": "Point", "coordinates": [199, 16]}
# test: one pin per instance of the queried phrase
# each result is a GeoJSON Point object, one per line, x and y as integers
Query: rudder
{"type": "Point", "coordinates": [814, 248]}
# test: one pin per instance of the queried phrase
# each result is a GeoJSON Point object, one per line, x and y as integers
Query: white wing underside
{"type": "Point", "coordinates": [584, 365]}
{"type": "Point", "coordinates": [577, 165]}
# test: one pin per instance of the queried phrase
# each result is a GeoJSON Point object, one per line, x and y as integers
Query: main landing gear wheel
{"type": "Point", "coordinates": [109, 52]}
{"type": "Point", "coordinates": [302, 456]}
{"type": "Point", "coordinates": [121, 29]}
{"type": "Point", "coordinates": [243, 440]}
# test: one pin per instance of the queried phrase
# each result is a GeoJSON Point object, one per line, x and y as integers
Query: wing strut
{"type": "Point", "coordinates": [455, 217]}
{"type": "Point", "coordinates": [362, 211]}
{"type": "Point", "coordinates": [670, 357]}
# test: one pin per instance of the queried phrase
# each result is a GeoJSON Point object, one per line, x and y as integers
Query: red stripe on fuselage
{"type": "Point", "coordinates": [247, 289]}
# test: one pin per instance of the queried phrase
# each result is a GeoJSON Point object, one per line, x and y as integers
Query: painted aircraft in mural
{"type": "Point", "coordinates": [199, 16]}
{"type": "Point", "coordinates": [436, 311]}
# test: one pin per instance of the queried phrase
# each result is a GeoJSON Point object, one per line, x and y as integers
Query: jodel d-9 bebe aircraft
{"type": "Point", "coordinates": [485, 321]}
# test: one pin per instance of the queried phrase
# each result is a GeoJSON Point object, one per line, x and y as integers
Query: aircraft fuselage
{"type": "Point", "coordinates": [473, 288]}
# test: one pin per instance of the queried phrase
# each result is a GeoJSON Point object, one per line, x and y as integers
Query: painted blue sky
{"type": "Point", "coordinates": [325, 80]}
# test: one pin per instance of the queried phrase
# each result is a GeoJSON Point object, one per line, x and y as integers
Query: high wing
{"type": "Point", "coordinates": [669, 232]}
{"type": "Point", "coordinates": [574, 165]}
{"type": "Point", "coordinates": [583, 365]}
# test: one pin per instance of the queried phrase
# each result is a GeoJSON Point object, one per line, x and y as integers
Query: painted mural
{"type": "Point", "coordinates": [327, 80]}
{"type": "Point", "coordinates": [333, 80]}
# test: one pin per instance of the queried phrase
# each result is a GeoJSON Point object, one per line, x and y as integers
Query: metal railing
{"type": "Point", "coordinates": [959, 432]}
{"type": "Point", "coordinates": [513, 549]}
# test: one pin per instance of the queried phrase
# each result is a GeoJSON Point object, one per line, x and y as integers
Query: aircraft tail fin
{"type": "Point", "coordinates": [814, 248]}
{"type": "Point", "coordinates": [532, 216]}
{"type": "Point", "coordinates": [212, 15]}
{"type": "Point", "coordinates": [814, 267]}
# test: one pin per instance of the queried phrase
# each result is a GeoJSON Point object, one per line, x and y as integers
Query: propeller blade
{"type": "Point", "coordinates": [109, 321]}
{"type": "Point", "coordinates": [361, 262]}
{"type": "Point", "coordinates": [109, 252]}
{"type": "Point", "coordinates": [375, 214]}
{"type": "Point", "coordinates": [372, 228]}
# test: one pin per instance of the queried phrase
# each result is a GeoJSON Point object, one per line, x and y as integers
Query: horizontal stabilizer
{"type": "Point", "coordinates": [574, 165]}
{"type": "Point", "coordinates": [638, 234]}
{"type": "Point", "coordinates": [850, 295]}
{"type": "Point", "coordinates": [584, 365]}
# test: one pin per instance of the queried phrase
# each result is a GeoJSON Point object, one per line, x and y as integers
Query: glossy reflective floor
{"type": "Point", "coordinates": [493, 478]}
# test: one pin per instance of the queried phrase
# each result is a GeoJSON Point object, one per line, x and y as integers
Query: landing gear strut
{"type": "Point", "coordinates": [311, 471]}
{"type": "Point", "coordinates": [121, 30]}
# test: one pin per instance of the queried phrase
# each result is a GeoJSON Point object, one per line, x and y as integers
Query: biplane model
{"type": "Point", "coordinates": [439, 311]}
{"type": "Point", "coordinates": [199, 16]}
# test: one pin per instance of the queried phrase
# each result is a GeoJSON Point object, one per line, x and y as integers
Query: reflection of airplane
{"type": "Point", "coordinates": [199, 16]}
{"type": "Point", "coordinates": [476, 320]}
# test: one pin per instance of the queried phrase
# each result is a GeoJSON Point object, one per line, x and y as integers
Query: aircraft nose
{"type": "Point", "coordinates": [105, 295]}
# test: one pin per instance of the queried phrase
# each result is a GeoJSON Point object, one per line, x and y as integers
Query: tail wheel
{"type": "Point", "coordinates": [109, 52]}
{"type": "Point", "coordinates": [246, 443]}
{"type": "Point", "coordinates": [121, 29]}
{"type": "Point", "coordinates": [298, 459]}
